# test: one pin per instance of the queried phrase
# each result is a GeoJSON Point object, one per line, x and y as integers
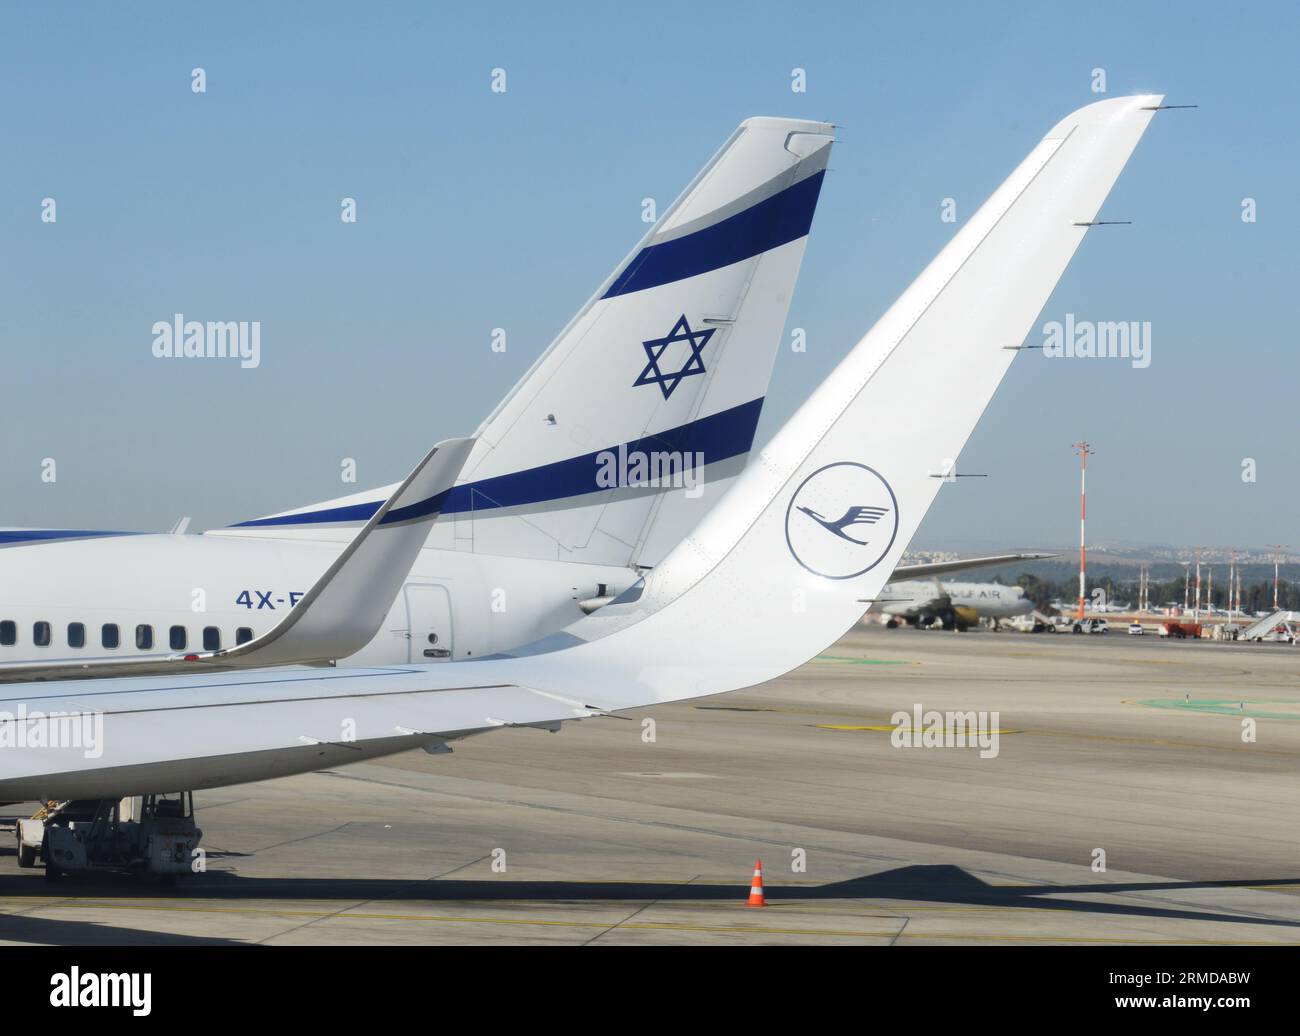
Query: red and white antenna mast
{"type": "Point", "coordinates": [1082, 449]}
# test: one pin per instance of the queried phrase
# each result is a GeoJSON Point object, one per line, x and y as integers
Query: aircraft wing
{"type": "Point", "coordinates": [339, 615]}
{"type": "Point", "coordinates": [717, 614]}
{"type": "Point", "coordinates": [212, 730]}
{"type": "Point", "coordinates": [938, 568]}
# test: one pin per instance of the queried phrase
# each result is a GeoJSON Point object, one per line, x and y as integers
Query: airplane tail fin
{"type": "Point", "coordinates": [643, 410]}
{"type": "Point", "coordinates": [775, 587]}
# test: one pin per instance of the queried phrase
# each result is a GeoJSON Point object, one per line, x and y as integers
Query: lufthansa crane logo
{"type": "Point", "coordinates": [842, 520]}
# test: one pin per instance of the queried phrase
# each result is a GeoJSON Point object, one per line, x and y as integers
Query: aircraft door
{"type": "Point", "coordinates": [428, 613]}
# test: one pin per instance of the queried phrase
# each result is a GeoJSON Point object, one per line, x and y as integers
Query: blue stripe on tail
{"type": "Point", "coordinates": [778, 220]}
{"type": "Point", "coordinates": [718, 437]}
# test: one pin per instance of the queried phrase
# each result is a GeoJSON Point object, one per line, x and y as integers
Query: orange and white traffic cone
{"type": "Point", "coordinates": [756, 888]}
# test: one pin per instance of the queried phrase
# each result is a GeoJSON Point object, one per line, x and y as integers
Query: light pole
{"type": "Point", "coordinates": [1082, 449]}
{"type": "Point", "coordinates": [1196, 611]}
{"type": "Point", "coordinates": [1232, 576]}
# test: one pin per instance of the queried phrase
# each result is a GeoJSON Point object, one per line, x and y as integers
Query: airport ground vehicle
{"type": "Point", "coordinates": [153, 834]}
{"type": "Point", "coordinates": [1181, 630]}
{"type": "Point", "coordinates": [1091, 626]}
{"type": "Point", "coordinates": [1279, 626]}
{"type": "Point", "coordinates": [1135, 629]}
{"type": "Point", "coordinates": [1028, 624]}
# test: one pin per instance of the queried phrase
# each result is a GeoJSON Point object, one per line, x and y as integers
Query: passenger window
{"type": "Point", "coordinates": [109, 635]}
{"type": "Point", "coordinates": [144, 637]}
{"type": "Point", "coordinates": [76, 634]}
{"type": "Point", "coordinates": [178, 638]}
{"type": "Point", "coordinates": [41, 634]}
{"type": "Point", "coordinates": [8, 633]}
{"type": "Point", "coordinates": [211, 638]}
{"type": "Point", "coordinates": [243, 635]}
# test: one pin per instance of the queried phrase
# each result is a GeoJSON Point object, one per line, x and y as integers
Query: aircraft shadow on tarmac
{"type": "Point", "coordinates": [49, 931]}
{"type": "Point", "coordinates": [929, 884]}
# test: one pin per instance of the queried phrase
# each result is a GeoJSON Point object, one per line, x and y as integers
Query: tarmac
{"type": "Point", "coordinates": [615, 831]}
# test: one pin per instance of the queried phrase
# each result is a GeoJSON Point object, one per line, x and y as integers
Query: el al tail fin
{"type": "Point", "coordinates": [642, 411]}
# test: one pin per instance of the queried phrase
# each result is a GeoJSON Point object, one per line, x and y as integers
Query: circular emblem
{"type": "Point", "coordinates": [841, 521]}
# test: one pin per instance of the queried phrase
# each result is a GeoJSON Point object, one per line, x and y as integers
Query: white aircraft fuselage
{"type": "Point", "coordinates": [144, 585]}
{"type": "Point", "coordinates": [968, 602]}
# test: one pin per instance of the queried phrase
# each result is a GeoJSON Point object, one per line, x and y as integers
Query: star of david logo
{"type": "Point", "coordinates": [655, 349]}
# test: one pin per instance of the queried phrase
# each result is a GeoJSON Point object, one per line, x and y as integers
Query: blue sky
{"type": "Point", "coordinates": [480, 210]}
